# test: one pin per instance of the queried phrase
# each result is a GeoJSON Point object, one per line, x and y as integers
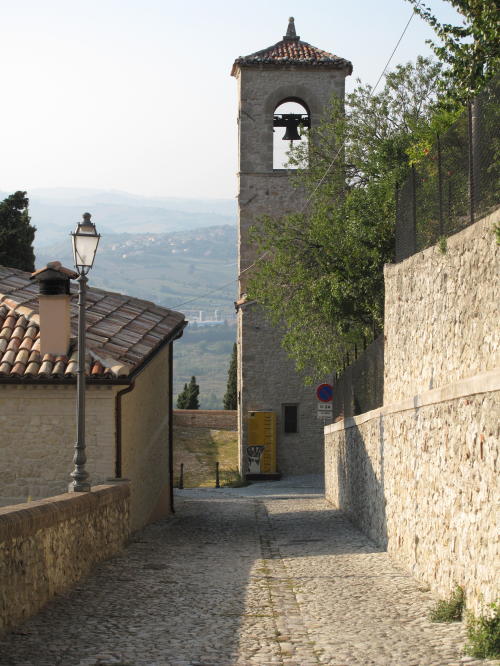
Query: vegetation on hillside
{"type": "Point", "coordinates": [205, 351]}
{"type": "Point", "coordinates": [323, 283]}
{"type": "Point", "coordinates": [16, 233]}
{"type": "Point", "coordinates": [168, 269]}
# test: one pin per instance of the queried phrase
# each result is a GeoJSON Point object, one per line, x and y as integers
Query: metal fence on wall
{"type": "Point", "coordinates": [360, 388]}
{"type": "Point", "coordinates": [458, 181]}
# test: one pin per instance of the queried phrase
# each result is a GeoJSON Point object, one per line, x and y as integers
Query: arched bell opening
{"type": "Point", "coordinates": [289, 115]}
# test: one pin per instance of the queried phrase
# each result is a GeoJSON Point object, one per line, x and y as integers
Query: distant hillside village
{"type": "Point", "coordinates": [216, 242]}
{"type": "Point", "coordinates": [170, 269]}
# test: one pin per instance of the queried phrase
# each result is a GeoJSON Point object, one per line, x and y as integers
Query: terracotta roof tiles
{"type": "Point", "coordinates": [121, 331]}
{"type": "Point", "coordinates": [292, 52]}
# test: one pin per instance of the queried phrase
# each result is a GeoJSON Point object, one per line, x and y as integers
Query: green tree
{"type": "Point", "coordinates": [16, 233]}
{"type": "Point", "coordinates": [192, 394]}
{"type": "Point", "coordinates": [323, 282]}
{"type": "Point", "coordinates": [471, 51]}
{"type": "Point", "coordinates": [188, 397]}
{"type": "Point", "coordinates": [231, 397]}
{"type": "Point", "coordinates": [182, 398]}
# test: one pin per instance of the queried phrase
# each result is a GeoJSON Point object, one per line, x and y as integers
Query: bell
{"type": "Point", "coordinates": [291, 133]}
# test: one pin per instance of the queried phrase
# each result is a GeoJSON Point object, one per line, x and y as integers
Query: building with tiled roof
{"type": "Point", "coordinates": [291, 52]}
{"type": "Point", "coordinates": [122, 333]}
{"type": "Point", "coordinates": [129, 389]}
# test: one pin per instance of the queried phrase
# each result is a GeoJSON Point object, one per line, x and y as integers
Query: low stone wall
{"type": "Point", "coordinates": [216, 419]}
{"type": "Point", "coordinates": [47, 545]}
{"type": "Point", "coordinates": [420, 478]}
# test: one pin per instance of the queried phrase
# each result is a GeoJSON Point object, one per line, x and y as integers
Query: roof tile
{"type": "Point", "coordinates": [14, 344]}
{"type": "Point", "coordinates": [292, 52]}
{"type": "Point", "coordinates": [121, 331]}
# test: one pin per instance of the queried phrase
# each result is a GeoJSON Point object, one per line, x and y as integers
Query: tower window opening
{"type": "Point", "coordinates": [289, 116]}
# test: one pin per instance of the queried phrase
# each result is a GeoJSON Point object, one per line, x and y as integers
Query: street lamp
{"type": "Point", "coordinates": [85, 240]}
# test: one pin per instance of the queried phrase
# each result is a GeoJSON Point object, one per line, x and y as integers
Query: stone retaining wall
{"type": "Point", "coordinates": [216, 419]}
{"type": "Point", "coordinates": [442, 321]}
{"type": "Point", "coordinates": [49, 544]}
{"type": "Point", "coordinates": [420, 478]}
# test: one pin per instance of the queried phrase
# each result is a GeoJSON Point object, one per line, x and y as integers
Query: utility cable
{"type": "Point", "coordinates": [208, 294]}
{"type": "Point", "coordinates": [372, 92]}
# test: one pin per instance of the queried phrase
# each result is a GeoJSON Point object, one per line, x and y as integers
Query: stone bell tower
{"type": "Point", "coordinates": [289, 71]}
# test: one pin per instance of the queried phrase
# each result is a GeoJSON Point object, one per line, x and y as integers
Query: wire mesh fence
{"type": "Point", "coordinates": [360, 388]}
{"type": "Point", "coordinates": [457, 182]}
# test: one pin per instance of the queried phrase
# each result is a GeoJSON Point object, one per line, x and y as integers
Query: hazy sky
{"type": "Point", "coordinates": [137, 95]}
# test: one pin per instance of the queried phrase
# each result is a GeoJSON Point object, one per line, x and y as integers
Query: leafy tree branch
{"type": "Point", "coordinates": [322, 282]}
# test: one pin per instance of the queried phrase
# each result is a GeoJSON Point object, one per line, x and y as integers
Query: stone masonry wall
{"type": "Point", "coordinates": [263, 190]}
{"type": "Point", "coordinates": [442, 321]}
{"type": "Point", "coordinates": [216, 419]}
{"type": "Point", "coordinates": [421, 478]}
{"type": "Point", "coordinates": [38, 427]}
{"type": "Point", "coordinates": [48, 545]}
{"type": "Point", "coordinates": [266, 380]}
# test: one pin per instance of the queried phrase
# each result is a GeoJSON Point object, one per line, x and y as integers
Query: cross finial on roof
{"type": "Point", "coordinates": [290, 32]}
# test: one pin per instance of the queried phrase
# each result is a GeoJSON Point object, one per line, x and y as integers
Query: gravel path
{"type": "Point", "coordinates": [268, 574]}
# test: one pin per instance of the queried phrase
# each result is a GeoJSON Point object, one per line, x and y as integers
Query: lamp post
{"type": "Point", "coordinates": [85, 240]}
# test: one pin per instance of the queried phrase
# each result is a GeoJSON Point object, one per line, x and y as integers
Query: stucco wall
{"type": "Point", "coordinates": [219, 419]}
{"type": "Point", "coordinates": [48, 545]}
{"type": "Point", "coordinates": [145, 429]}
{"type": "Point", "coordinates": [421, 478]}
{"type": "Point", "coordinates": [38, 427]}
{"type": "Point", "coordinates": [442, 321]}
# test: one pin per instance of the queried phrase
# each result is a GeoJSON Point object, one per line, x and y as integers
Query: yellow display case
{"type": "Point", "coordinates": [261, 449]}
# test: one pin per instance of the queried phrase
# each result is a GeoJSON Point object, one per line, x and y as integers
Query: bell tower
{"type": "Point", "coordinates": [289, 71]}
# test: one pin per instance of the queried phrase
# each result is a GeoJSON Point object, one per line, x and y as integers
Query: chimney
{"type": "Point", "coordinates": [53, 300]}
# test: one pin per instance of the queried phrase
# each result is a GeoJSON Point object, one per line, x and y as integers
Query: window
{"type": "Point", "coordinates": [290, 419]}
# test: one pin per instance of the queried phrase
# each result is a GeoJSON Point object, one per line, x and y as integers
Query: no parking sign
{"type": "Point", "coordinates": [324, 392]}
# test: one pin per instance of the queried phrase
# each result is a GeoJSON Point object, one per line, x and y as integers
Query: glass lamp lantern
{"type": "Point", "coordinates": [85, 240]}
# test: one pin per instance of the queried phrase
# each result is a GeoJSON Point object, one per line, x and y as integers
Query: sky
{"type": "Point", "coordinates": [137, 95]}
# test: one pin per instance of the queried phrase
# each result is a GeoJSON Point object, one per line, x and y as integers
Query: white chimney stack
{"type": "Point", "coordinates": [54, 297]}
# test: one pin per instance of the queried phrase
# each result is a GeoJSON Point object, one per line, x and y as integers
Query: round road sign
{"type": "Point", "coordinates": [324, 392]}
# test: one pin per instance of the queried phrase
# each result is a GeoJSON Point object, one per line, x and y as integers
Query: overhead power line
{"type": "Point", "coordinates": [322, 179]}
{"type": "Point", "coordinates": [345, 140]}
{"type": "Point", "coordinates": [207, 294]}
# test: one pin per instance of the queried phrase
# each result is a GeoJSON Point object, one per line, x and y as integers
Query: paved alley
{"type": "Point", "coordinates": [268, 574]}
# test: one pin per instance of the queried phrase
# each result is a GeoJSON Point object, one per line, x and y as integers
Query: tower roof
{"type": "Point", "coordinates": [291, 51]}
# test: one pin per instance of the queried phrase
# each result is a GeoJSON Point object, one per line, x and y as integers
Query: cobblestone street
{"type": "Point", "coordinates": [269, 574]}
